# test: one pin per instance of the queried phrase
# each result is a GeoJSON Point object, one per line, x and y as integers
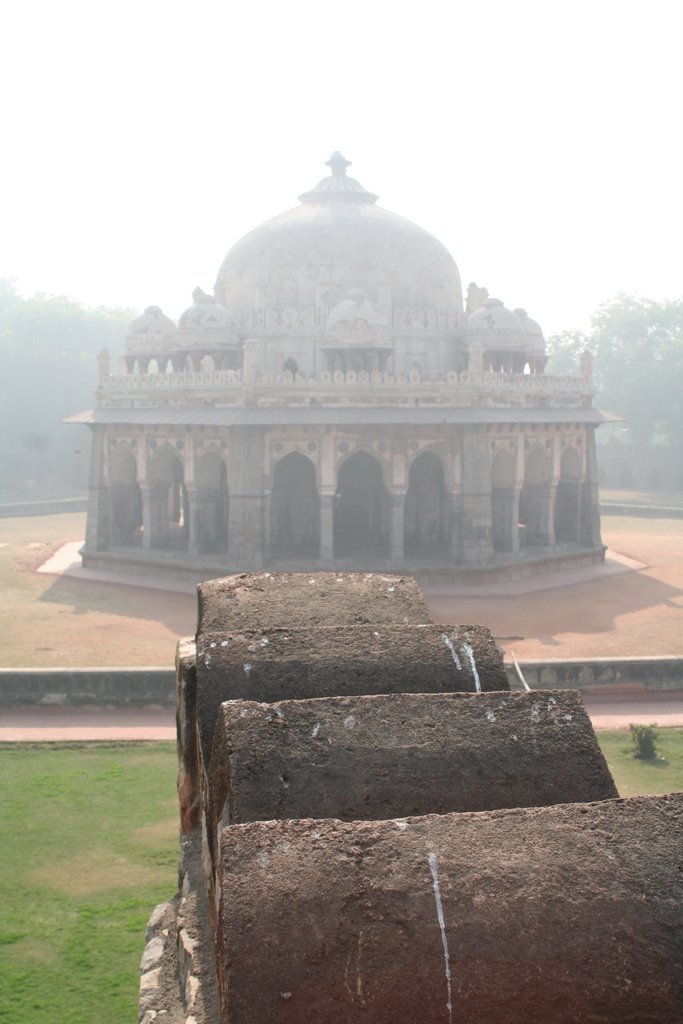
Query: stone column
{"type": "Point", "coordinates": [396, 528]}
{"type": "Point", "coordinates": [97, 530]}
{"type": "Point", "coordinates": [147, 528]}
{"type": "Point", "coordinates": [514, 519]}
{"type": "Point", "coordinates": [475, 541]}
{"type": "Point", "coordinates": [589, 527]}
{"type": "Point", "coordinates": [194, 541]}
{"type": "Point", "coordinates": [326, 528]}
{"type": "Point", "coordinates": [247, 499]}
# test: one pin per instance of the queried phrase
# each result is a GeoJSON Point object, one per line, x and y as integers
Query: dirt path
{"type": "Point", "coordinates": [30, 725]}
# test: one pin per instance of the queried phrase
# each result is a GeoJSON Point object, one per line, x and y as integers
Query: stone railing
{"type": "Point", "coordinates": [201, 380]}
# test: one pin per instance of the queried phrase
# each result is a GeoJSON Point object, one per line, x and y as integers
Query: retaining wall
{"type": "Point", "coordinates": [156, 685]}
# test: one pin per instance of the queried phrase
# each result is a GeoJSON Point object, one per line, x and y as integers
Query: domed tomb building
{"type": "Point", "coordinates": [335, 403]}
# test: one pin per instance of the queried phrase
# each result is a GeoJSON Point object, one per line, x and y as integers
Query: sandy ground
{"type": "Point", "coordinates": [56, 619]}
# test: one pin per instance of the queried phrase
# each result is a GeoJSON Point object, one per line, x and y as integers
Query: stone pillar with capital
{"type": "Point", "coordinates": [476, 547]}
{"type": "Point", "coordinates": [326, 528]}
{"type": "Point", "coordinates": [396, 528]}
{"type": "Point", "coordinates": [246, 475]}
{"type": "Point", "coordinates": [589, 526]}
{"type": "Point", "coordinates": [97, 530]}
{"type": "Point", "coordinates": [194, 505]}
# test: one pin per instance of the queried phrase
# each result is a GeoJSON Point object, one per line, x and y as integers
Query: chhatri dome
{"type": "Point", "coordinates": [306, 261]}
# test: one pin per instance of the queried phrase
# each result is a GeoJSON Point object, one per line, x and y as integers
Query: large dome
{"type": "Point", "coordinates": [291, 271]}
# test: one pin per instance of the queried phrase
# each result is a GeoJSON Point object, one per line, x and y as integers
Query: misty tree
{"type": "Point", "coordinates": [637, 345]}
{"type": "Point", "coordinates": [48, 346]}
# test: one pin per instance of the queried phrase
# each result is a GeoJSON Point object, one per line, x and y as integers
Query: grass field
{"type": "Point", "coordinates": [89, 845]}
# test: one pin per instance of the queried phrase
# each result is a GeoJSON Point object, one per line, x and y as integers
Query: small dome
{"type": "Point", "coordinates": [532, 330]}
{"type": "Point", "coordinates": [495, 326]}
{"type": "Point", "coordinates": [206, 323]}
{"type": "Point", "coordinates": [356, 319]}
{"type": "Point", "coordinates": [151, 332]}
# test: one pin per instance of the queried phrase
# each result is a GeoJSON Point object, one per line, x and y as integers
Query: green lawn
{"type": "Point", "coordinates": [89, 845]}
{"type": "Point", "coordinates": [634, 777]}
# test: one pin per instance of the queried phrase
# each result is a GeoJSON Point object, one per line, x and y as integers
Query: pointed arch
{"type": "Point", "coordinates": [361, 508]}
{"type": "Point", "coordinates": [503, 501]}
{"type": "Point", "coordinates": [166, 524]}
{"type": "Point", "coordinates": [535, 503]}
{"type": "Point", "coordinates": [211, 505]}
{"type": "Point", "coordinates": [426, 507]}
{"type": "Point", "coordinates": [294, 507]}
{"type": "Point", "coordinates": [568, 497]}
{"type": "Point", "coordinates": [125, 498]}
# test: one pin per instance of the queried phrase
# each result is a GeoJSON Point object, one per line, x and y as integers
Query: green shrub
{"type": "Point", "coordinates": [644, 738]}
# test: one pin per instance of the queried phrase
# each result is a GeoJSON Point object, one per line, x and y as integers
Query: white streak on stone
{"type": "Point", "coordinates": [490, 715]}
{"type": "Point", "coordinates": [454, 654]}
{"type": "Point", "coordinates": [467, 649]}
{"type": "Point", "coordinates": [263, 642]}
{"type": "Point", "coordinates": [568, 718]}
{"type": "Point", "coordinates": [212, 644]}
{"type": "Point", "coordinates": [535, 712]}
{"type": "Point", "coordinates": [224, 643]}
{"type": "Point", "coordinates": [401, 825]}
{"type": "Point", "coordinates": [434, 868]}
{"type": "Point", "coordinates": [247, 668]}
{"type": "Point", "coordinates": [262, 859]}
{"type": "Point", "coordinates": [349, 722]}
{"type": "Point", "coordinates": [315, 730]}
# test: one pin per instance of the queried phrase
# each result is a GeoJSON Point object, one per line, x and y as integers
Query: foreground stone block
{"type": "Point", "coordinates": [266, 600]}
{"type": "Point", "coordinates": [548, 915]}
{"type": "Point", "coordinates": [403, 754]}
{"type": "Point", "coordinates": [297, 664]}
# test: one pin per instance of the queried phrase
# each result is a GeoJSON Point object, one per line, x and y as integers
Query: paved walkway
{"type": "Point", "coordinates": [67, 562]}
{"type": "Point", "coordinates": [33, 724]}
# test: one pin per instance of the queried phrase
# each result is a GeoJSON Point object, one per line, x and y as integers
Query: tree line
{"type": "Point", "coordinates": [637, 348]}
{"type": "Point", "coordinates": [48, 347]}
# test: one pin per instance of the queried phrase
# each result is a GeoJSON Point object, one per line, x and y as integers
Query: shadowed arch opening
{"type": "Point", "coordinates": [361, 508]}
{"type": "Point", "coordinates": [168, 516]}
{"type": "Point", "coordinates": [294, 508]}
{"type": "Point", "coordinates": [125, 498]}
{"type": "Point", "coordinates": [426, 507]}
{"type": "Point", "coordinates": [535, 502]}
{"type": "Point", "coordinates": [211, 504]}
{"type": "Point", "coordinates": [504, 509]}
{"type": "Point", "coordinates": [568, 497]}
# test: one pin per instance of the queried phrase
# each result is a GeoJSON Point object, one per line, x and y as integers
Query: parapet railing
{"type": "Point", "coordinates": [200, 380]}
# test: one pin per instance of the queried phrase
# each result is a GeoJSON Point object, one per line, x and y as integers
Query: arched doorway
{"type": "Point", "coordinates": [504, 508]}
{"type": "Point", "coordinates": [125, 497]}
{"type": "Point", "coordinates": [568, 497]}
{"type": "Point", "coordinates": [535, 503]}
{"type": "Point", "coordinates": [294, 508]}
{"type": "Point", "coordinates": [361, 508]}
{"type": "Point", "coordinates": [426, 508]}
{"type": "Point", "coordinates": [210, 506]}
{"type": "Point", "coordinates": [168, 512]}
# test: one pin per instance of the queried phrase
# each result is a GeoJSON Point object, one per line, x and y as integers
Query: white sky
{"type": "Point", "coordinates": [540, 140]}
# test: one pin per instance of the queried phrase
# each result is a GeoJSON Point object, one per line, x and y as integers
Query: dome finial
{"type": "Point", "coordinates": [338, 163]}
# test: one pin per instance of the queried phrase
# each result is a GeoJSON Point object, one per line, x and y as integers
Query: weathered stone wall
{"type": "Point", "coordinates": [286, 664]}
{"type": "Point", "coordinates": [358, 758]}
{"type": "Point", "coordinates": [557, 914]}
{"type": "Point", "coordinates": [270, 600]}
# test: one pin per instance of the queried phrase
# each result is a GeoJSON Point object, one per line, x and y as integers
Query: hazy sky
{"type": "Point", "coordinates": [540, 141]}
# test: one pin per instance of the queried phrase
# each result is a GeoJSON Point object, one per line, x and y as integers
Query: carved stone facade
{"type": "Point", "coordinates": [335, 405]}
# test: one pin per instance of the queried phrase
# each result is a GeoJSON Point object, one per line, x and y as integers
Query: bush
{"type": "Point", "coordinates": [644, 738]}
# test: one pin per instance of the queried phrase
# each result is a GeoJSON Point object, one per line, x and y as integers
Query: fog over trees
{"type": "Point", "coordinates": [637, 346]}
{"type": "Point", "coordinates": [48, 346]}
